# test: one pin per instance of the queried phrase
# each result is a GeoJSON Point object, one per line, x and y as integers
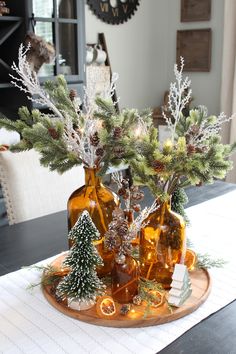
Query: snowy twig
{"type": "Point", "coordinates": [179, 95]}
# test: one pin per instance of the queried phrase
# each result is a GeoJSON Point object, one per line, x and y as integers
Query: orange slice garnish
{"type": "Point", "coordinates": [190, 259]}
{"type": "Point", "coordinates": [106, 307]}
{"type": "Point", "coordinates": [158, 298]}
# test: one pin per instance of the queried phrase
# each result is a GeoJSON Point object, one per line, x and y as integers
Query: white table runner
{"type": "Point", "coordinates": [29, 324]}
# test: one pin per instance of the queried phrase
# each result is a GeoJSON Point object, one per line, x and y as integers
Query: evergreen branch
{"type": "Point", "coordinates": [206, 261]}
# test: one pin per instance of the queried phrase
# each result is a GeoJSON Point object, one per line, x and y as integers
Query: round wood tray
{"type": "Point", "coordinates": [201, 286]}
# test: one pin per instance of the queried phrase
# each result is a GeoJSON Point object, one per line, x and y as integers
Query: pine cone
{"type": "Point", "coordinates": [137, 300]}
{"type": "Point", "coordinates": [137, 195]}
{"type": "Point", "coordinates": [117, 133]}
{"type": "Point", "coordinates": [191, 149]}
{"type": "Point", "coordinates": [119, 151]}
{"type": "Point", "coordinates": [94, 139]}
{"type": "Point", "coordinates": [72, 94]}
{"type": "Point", "coordinates": [125, 183]}
{"type": "Point", "coordinates": [117, 214]}
{"type": "Point", "coordinates": [134, 188]}
{"type": "Point", "coordinates": [122, 229]}
{"type": "Point", "coordinates": [158, 165]}
{"type": "Point", "coordinates": [136, 207]}
{"type": "Point", "coordinates": [125, 196]}
{"type": "Point", "coordinates": [53, 133]}
{"type": "Point", "coordinates": [125, 309]}
{"type": "Point", "coordinates": [127, 247]}
{"type": "Point", "coordinates": [121, 191]}
{"type": "Point", "coordinates": [110, 240]}
{"type": "Point", "coordinates": [99, 152]}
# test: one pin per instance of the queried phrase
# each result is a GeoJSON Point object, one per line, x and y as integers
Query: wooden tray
{"type": "Point", "coordinates": [201, 285]}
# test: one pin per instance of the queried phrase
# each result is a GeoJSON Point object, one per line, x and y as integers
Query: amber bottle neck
{"type": "Point", "coordinates": [91, 178]}
{"type": "Point", "coordinates": [164, 205]}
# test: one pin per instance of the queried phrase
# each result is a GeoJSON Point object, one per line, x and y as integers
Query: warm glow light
{"type": "Point", "coordinates": [138, 132]}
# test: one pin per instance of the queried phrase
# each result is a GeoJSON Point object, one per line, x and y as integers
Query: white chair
{"type": "Point", "coordinates": [8, 138]}
{"type": "Point", "coordinates": [31, 190]}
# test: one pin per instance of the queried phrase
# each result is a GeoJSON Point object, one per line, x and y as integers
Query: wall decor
{"type": "Point", "coordinates": [195, 10]}
{"type": "Point", "coordinates": [113, 11]}
{"type": "Point", "coordinates": [195, 47]}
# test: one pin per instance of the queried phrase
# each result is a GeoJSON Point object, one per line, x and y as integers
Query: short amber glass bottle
{"type": "Point", "coordinates": [100, 202]}
{"type": "Point", "coordinates": [162, 244]}
{"type": "Point", "coordinates": [125, 277]}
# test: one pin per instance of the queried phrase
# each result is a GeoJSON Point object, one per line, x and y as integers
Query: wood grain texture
{"type": "Point", "coordinates": [201, 286]}
{"type": "Point", "coordinates": [195, 47]}
{"type": "Point", "coordinates": [195, 10]}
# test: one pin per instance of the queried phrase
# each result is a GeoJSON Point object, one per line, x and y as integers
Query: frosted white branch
{"type": "Point", "coordinates": [76, 139]}
{"type": "Point", "coordinates": [179, 95]}
{"type": "Point", "coordinates": [28, 82]}
{"type": "Point", "coordinates": [138, 223]}
{"type": "Point", "coordinates": [207, 130]}
{"type": "Point", "coordinates": [117, 177]}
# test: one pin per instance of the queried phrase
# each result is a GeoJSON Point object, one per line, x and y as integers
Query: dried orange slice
{"type": "Point", "coordinates": [157, 298]}
{"type": "Point", "coordinates": [190, 259]}
{"type": "Point", "coordinates": [106, 307]}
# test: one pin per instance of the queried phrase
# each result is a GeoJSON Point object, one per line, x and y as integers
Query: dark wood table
{"type": "Point", "coordinates": [32, 241]}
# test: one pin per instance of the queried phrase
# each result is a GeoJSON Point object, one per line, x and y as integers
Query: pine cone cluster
{"type": "Point", "coordinates": [133, 193]}
{"type": "Point", "coordinates": [118, 237]}
{"type": "Point", "coordinates": [136, 194]}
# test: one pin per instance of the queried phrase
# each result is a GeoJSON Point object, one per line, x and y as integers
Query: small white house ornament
{"type": "Point", "coordinates": [180, 286]}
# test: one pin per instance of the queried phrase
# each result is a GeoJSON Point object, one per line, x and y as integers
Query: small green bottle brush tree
{"type": "Point", "coordinates": [82, 284]}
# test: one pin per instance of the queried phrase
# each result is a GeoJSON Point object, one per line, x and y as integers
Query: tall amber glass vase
{"type": "Point", "coordinates": [162, 244]}
{"type": "Point", "coordinates": [100, 202]}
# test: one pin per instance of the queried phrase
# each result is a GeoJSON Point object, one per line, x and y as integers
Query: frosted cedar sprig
{"type": "Point", "coordinates": [209, 126]}
{"type": "Point", "coordinates": [138, 222]}
{"type": "Point", "coordinates": [28, 82]}
{"type": "Point", "coordinates": [177, 99]}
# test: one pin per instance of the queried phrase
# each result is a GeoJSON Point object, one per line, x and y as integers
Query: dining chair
{"type": "Point", "coordinates": [31, 190]}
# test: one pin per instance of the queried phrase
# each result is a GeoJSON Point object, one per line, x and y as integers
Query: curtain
{"type": "Point", "coordinates": [228, 86]}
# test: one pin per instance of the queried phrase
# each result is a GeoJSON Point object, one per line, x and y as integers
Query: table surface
{"type": "Point", "coordinates": [29, 242]}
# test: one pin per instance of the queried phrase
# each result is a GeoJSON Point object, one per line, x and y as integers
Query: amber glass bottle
{"type": "Point", "coordinates": [162, 244]}
{"type": "Point", "coordinates": [100, 202]}
{"type": "Point", "coordinates": [125, 277]}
